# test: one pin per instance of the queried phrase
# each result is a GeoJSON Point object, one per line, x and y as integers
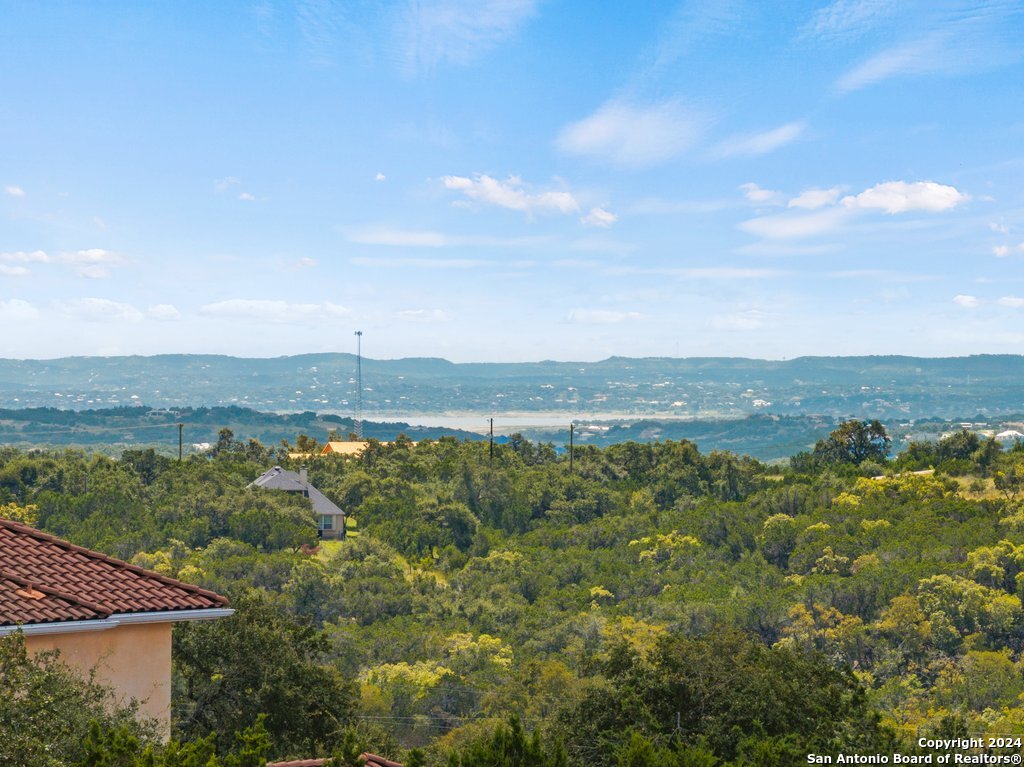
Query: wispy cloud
{"type": "Point", "coordinates": [426, 238]}
{"type": "Point", "coordinates": [14, 191]}
{"type": "Point", "coordinates": [98, 310]}
{"type": "Point", "coordinates": [756, 194]}
{"type": "Point", "coordinates": [1015, 302]}
{"type": "Point", "coordinates": [950, 38]}
{"type": "Point", "coordinates": [271, 311]}
{"type": "Point", "coordinates": [756, 144]}
{"type": "Point", "coordinates": [511, 194]}
{"type": "Point", "coordinates": [164, 312]}
{"type": "Point", "coordinates": [745, 321]}
{"type": "Point", "coordinates": [423, 315]}
{"type": "Point", "coordinates": [601, 316]}
{"type": "Point", "coordinates": [965, 301]}
{"type": "Point", "coordinates": [600, 218]}
{"type": "Point", "coordinates": [634, 136]}
{"type": "Point", "coordinates": [17, 310]}
{"type": "Point", "coordinates": [432, 32]}
{"type": "Point", "coordinates": [849, 18]}
{"type": "Point", "coordinates": [902, 197]}
{"type": "Point", "coordinates": [223, 184]}
{"type": "Point", "coordinates": [421, 263]}
{"type": "Point", "coordinates": [22, 257]}
{"type": "Point", "coordinates": [14, 271]}
{"type": "Point", "coordinates": [795, 226]}
{"type": "Point", "coordinates": [811, 199]}
{"type": "Point", "coordinates": [247, 197]}
{"type": "Point", "coordinates": [912, 58]}
{"type": "Point", "coordinates": [93, 263]}
{"type": "Point", "coordinates": [830, 214]}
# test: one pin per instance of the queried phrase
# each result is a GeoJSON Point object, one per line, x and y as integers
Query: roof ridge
{"type": "Point", "coordinates": [20, 527]}
{"type": "Point", "coordinates": [105, 612]}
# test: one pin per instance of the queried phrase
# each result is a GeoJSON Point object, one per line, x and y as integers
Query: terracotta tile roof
{"type": "Point", "coordinates": [372, 760]}
{"type": "Point", "coordinates": [44, 579]}
{"type": "Point", "coordinates": [369, 760]}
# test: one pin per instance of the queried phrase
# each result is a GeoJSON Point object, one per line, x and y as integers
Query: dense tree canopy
{"type": "Point", "coordinates": [836, 603]}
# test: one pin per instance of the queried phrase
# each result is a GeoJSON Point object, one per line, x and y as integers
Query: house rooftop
{"type": "Point", "coordinates": [44, 579]}
{"type": "Point", "coordinates": [369, 760]}
{"type": "Point", "coordinates": [282, 479]}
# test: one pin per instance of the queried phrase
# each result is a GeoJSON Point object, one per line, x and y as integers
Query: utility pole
{"type": "Point", "coordinates": [180, 427]}
{"type": "Point", "coordinates": [572, 428]}
{"type": "Point", "coordinates": [490, 459]}
{"type": "Point", "coordinates": [359, 384]}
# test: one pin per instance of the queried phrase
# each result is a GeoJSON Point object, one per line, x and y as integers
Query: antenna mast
{"type": "Point", "coordinates": [359, 384]}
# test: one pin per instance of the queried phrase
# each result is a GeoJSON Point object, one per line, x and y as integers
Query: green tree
{"type": "Point", "coordinates": [854, 442]}
{"type": "Point", "coordinates": [258, 661]}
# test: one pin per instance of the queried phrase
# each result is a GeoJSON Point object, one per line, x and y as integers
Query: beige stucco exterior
{"type": "Point", "coordinates": [133, 659]}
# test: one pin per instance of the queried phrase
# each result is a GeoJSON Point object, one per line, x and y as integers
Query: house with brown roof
{"type": "Point", "coordinates": [103, 615]}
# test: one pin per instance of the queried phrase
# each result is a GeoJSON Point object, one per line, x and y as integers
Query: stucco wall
{"type": "Point", "coordinates": [134, 660]}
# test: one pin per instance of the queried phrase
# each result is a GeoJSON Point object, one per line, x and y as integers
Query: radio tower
{"type": "Point", "coordinates": [359, 384]}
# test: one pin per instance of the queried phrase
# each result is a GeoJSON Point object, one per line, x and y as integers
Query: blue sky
{"type": "Point", "coordinates": [512, 179]}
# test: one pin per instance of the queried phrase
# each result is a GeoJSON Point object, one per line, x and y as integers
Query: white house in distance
{"type": "Point", "coordinates": [330, 520]}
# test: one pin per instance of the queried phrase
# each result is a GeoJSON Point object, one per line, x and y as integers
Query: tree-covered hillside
{"type": "Point", "coordinates": [651, 604]}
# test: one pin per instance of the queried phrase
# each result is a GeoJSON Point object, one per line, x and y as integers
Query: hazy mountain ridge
{"type": "Point", "coordinates": [706, 387]}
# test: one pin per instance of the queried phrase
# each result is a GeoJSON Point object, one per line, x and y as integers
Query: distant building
{"type": "Point", "coordinates": [1010, 435]}
{"type": "Point", "coordinates": [330, 520]}
{"type": "Point", "coordinates": [350, 449]}
{"type": "Point", "coordinates": [103, 615]}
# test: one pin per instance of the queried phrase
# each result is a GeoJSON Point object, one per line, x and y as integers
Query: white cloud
{"type": "Point", "coordinates": [223, 184]}
{"type": "Point", "coordinates": [26, 257]}
{"type": "Point", "coordinates": [967, 302]}
{"type": "Point", "coordinates": [306, 262]}
{"type": "Point", "coordinates": [263, 310]}
{"type": "Point", "coordinates": [400, 238]}
{"type": "Point", "coordinates": [1013, 301]}
{"type": "Point", "coordinates": [902, 197]}
{"type": "Point", "coordinates": [14, 271]}
{"type": "Point", "coordinates": [420, 263]}
{"type": "Point", "coordinates": [999, 228]}
{"type": "Point", "coordinates": [17, 310]}
{"type": "Point", "coordinates": [754, 193]}
{"type": "Point", "coordinates": [1001, 251]}
{"type": "Point", "coordinates": [430, 32]}
{"type": "Point", "coordinates": [601, 316]}
{"type": "Point", "coordinates": [412, 238]}
{"type": "Point", "coordinates": [92, 263]}
{"type": "Point", "coordinates": [247, 197]}
{"type": "Point", "coordinates": [14, 191]}
{"type": "Point", "coordinates": [99, 310]}
{"type": "Point", "coordinates": [795, 226]}
{"type": "Point", "coordinates": [916, 57]}
{"type": "Point", "coordinates": [634, 136]}
{"type": "Point", "coordinates": [511, 194]}
{"type": "Point", "coordinates": [849, 17]}
{"type": "Point", "coordinates": [164, 312]}
{"type": "Point", "coordinates": [739, 321]}
{"type": "Point", "coordinates": [380, 177]}
{"type": "Point", "coordinates": [754, 145]}
{"type": "Point", "coordinates": [811, 199]}
{"type": "Point", "coordinates": [600, 218]}
{"type": "Point", "coordinates": [424, 315]}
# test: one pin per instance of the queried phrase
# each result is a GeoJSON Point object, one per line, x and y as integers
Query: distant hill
{"type": "Point", "coordinates": [709, 387]}
{"type": "Point", "coordinates": [116, 428]}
